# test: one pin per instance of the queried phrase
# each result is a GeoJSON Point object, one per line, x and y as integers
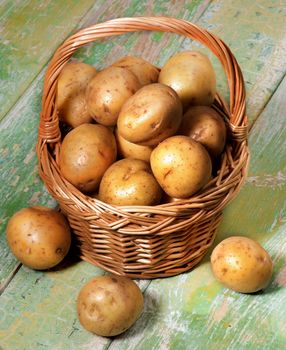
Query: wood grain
{"type": "Point", "coordinates": [190, 311]}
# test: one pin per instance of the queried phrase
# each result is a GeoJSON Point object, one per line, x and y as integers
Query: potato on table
{"type": "Point", "coordinates": [241, 264]}
{"type": "Point", "coordinates": [109, 305]}
{"type": "Point", "coordinates": [39, 237]}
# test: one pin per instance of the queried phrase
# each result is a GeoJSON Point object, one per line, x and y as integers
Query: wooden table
{"type": "Point", "coordinates": [190, 311]}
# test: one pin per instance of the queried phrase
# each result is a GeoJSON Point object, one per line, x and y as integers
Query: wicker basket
{"type": "Point", "coordinates": [143, 241]}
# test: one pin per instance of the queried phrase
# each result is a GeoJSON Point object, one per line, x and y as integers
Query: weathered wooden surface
{"type": "Point", "coordinates": [190, 311]}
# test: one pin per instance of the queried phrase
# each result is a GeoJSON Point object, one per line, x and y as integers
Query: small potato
{"type": "Point", "coordinates": [109, 305]}
{"type": "Point", "coordinates": [127, 149]}
{"type": "Point", "coordinates": [71, 87]}
{"type": "Point", "coordinates": [86, 152]}
{"type": "Point", "coordinates": [181, 165]}
{"type": "Point", "coordinates": [143, 70]}
{"type": "Point", "coordinates": [206, 126]}
{"type": "Point", "coordinates": [152, 114]}
{"type": "Point", "coordinates": [39, 237]}
{"type": "Point", "coordinates": [107, 92]}
{"type": "Point", "coordinates": [241, 264]}
{"type": "Point", "coordinates": [129, 181]}
{"type": "Point", "coordinates": [75, 113]}
{"type": "Point", "coordinates": [192, 76]}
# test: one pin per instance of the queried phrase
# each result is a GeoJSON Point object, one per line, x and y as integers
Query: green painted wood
{"type": "Point", "coordinates": [191, 311]}
{"type": "Point", "coordinates": [30, 31]}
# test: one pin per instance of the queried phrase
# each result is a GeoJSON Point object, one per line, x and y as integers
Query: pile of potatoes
{"type": "Point", "coordinates": [140, 135]}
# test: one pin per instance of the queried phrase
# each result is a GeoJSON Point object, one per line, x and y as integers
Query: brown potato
{"type": "Point", "coordinates": [39, 237]}
{"type": "Point", "coordinates": [71, 87]}
{"type": "Point", "coordinates": [107, 92]}
{"type": "Point", "coordinates": [143, 70]}
{"type": "Point", "coordinates": [129, 181]}
{"type": "Point", "coordinates": [152, 114]}
{"type": "Point", "coordinates": [75, 113]}
{"type": "Point", "coordinates": [109, 305]}
{"type": "Point", "coordinates": [86, 152]}
{"type": "Point", "coordinates": [192, 76]}
{"type": "Point", "coordinates": [205, 125]}
{"type": "Point", "coordinates": [127, 149]}
{"type": "Point", "coordinates": [241, 264]}
{"type": "Point", "coordinates": [181, 165]}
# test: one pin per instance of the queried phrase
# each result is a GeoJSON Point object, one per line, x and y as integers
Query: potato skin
{"type": "Point", "coordinates": [241, 264]}
{"type": "Point", "coordinates": [127, 149]}
{"type": "Point", "coordinates": [191, 75]}
{"type": "Point", "coordinates": [181, 165]}
{"type": "Point", "coordinates": [109, 305]}
{"type": "Point", "coordinates": [206, 126]}
{"type": "Point", "coordinates": [107, 91]}
{"type": "Point", "coordinates": [72, 83]}
{"type": "Point", "coordinates": [129, 181]}
{"type": "Point", "coordinates": [142, 69]}
{"type": "Point", "coordinates": [152, 114]}
{"type": "Point", "coordinates": [39, 237]}
{"type": "Point", "coordinates": [86, 152]}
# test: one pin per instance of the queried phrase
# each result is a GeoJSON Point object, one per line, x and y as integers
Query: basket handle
{"type": "Point", "coordinates": [49, 131]}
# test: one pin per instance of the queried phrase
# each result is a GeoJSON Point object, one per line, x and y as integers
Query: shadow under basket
{"type": "Point", "coordinates": [146, 241]}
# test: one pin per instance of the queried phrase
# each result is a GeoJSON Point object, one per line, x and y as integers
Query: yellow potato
{"type": "Point", "coordinates": [86, 152]}
{"type": "Point", "coordinates": [39, 237]}
{"type": "Point", "coordinates": [192, 76]}
{"type": "Point", "coordinates": [181, 165]}
{"type": "Point", "coordinates": [143, 70]}
{"type": "Point", "coordinates": [205, 125]}
{"type": "Point", "coordinates": [75, 113]}
{"type": "Point", "coordinates": [127, 149]}
{"type": "Point", "coordinates": [109, 305]}
{"type": "Point", "coordinates": [241, 264]}
{"type": "Point", "coordinates": [152, 114]}
{"type": "Point", "coordinates": [129, 181]}
{"type": "Point", "coordinates": [107, 92]}
{"type": "Point", "coordinates": [71, 87]}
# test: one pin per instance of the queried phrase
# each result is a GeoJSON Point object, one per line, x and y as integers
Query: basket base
{"type": "Point", "coordinates": [174, 262]}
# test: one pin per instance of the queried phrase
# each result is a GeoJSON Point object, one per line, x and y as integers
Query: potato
{"type": "Point", "coordinates": [143, 70]}
{"type": "Point", "coordinates": [71, 87]}
{"type": "Point", "coordinates": [205, 125]}
{"type": "Point", "coordinates": [241, 264]}
{"type": "Point", "coordinates": [107, 92]}
{"type": "Point", "coordinates": [127, 149]}
{"type": "Point", "coordinates": [152, 114]}
{"type": "Point", "coordinates": [181, 165]}
{"type": "Point", "coordinates": [109, 305]}
{"type": "Point", "coordinates": [75, 113]}
{"type": "Point", "coordinates": [192, 76]}
{"type": "Point", "coordinates": [129, 181]}
{"type": "Point", "coordinates": [86, 152]}
{"type": "Point", "coordinates": [39, 237]}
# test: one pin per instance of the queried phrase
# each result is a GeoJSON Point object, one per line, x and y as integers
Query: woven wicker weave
{"type": "Point", "coordinates": [142, 241]}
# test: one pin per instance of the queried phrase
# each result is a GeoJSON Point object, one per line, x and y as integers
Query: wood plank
{"type": "Point", "coordinates": [30, 31]}
{"type": "Point", "coordinates": [185, 305]}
